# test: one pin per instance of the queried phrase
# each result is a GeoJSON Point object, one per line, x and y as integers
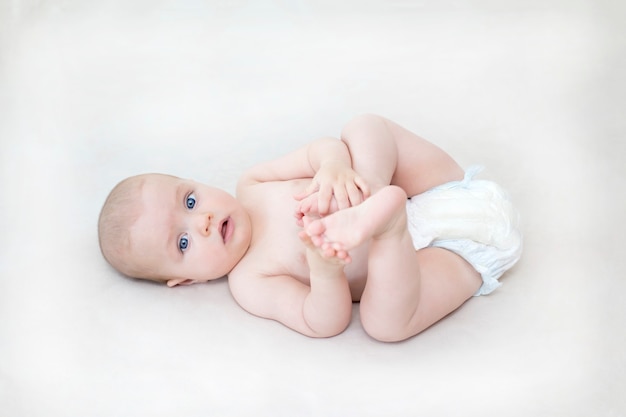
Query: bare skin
{"type": "Point", "coordinates": [357, 246]}
{"type": "Point", "coordinates": [348, 241]}
{"type": "Point", "coordinates": [382, 216]}
{"type": "Point", "coordinates": [395, 272]}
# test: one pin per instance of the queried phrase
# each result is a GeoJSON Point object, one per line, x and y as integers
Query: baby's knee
{"type": "Point", "coordinates": [397, 193]}
{"type": "Point", "coordinates": [383, 332]}
{"type": "Point", "coordinates": [361, 121]}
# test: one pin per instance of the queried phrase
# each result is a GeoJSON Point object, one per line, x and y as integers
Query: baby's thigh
{"type": "Point", "coordinates": [421, 164]}
{"type": "Point", "coordinates": [444, 282]}
{"type": "Point", "coordinates": [447, 281]}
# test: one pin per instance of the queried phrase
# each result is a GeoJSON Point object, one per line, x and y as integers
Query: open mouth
{"type": "Point", "coordinates": [226, 229]}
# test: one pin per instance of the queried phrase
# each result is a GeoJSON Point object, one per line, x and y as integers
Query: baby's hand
{"type": "Point", "coordinates": [334, 181]}
{"type": "Point", "coordinates": [308, 206]}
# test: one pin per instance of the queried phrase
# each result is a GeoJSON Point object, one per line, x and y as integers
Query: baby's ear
{"type": "Point", "coordinates": [180, 281]}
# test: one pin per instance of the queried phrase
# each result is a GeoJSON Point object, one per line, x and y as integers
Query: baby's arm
{"type": "Point", "coordinates": [301, 163]}
{"type": "Point", "coordinates": [323, 309]}
{"type": "Point", "coordinates": [381, 153]}
{"type": "Point", "coordinates": [327, 161]}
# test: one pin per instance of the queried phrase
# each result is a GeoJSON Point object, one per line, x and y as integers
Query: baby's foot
{"type": "Point", "coordinates": [328, 254]}
{"type": "Point", "coordinates": [380, 215]}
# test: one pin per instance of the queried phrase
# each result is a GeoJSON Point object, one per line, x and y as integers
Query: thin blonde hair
{"type": "Point", "coordinates": [120, 211]}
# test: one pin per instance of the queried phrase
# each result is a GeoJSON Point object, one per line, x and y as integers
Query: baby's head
{"type": "Point", "coordinates": [168, 229]}
{"type": "Point", "coordinates": [119, 213]}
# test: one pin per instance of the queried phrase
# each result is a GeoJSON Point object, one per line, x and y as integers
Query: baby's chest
{"type": "Point", "coordinates": [279, 250]}
{"type": "Point", "coordinates": [276, 248]}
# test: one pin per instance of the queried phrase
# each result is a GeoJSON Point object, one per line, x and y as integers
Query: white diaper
{"type": "Point", "coordinates": [474, 219]}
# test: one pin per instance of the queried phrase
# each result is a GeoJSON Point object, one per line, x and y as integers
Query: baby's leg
{"type": "Point", "coordinates": [406, 291]}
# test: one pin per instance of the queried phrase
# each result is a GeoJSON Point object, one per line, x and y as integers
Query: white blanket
{"type": "Point", "coordinates": [91, 92]}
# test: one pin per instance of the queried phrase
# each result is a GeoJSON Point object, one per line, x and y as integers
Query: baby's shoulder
{"type": "Point", "coordinates": [253, 265]}
{"type": "Point", "coordinates": [251, 283]}
{"type": "Point", "coordinates": [270, 256]}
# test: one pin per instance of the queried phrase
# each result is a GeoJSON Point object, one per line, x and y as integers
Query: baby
{"type": "Point", "coordinates": [382, 217]}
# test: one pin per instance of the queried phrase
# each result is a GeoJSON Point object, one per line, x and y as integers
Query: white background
{"type": "Point", "coordinates": [94, 91]}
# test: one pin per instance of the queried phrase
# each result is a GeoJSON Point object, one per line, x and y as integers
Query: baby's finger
{"type": "Point", "coordinates": [299, 215]}
{"type": "Point", "coordinates": [305, 206]}
{"type": "Point", "coordinates": [365, 189]}
{"type": "Point", "coordinates": [323, 200]}
{"type": "Point", "coordinates": [342, 197]}
{"type": "Point", "coordinates": [354, 194]}
{"type": "Point", "coordinates": [310, 189]}
{"type": "Point", "coordinates": [298, 208]}
{"type": "Point", "coordinates": [299, 218]}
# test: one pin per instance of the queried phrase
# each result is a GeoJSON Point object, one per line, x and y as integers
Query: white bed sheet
{"type": "Point", "coordinates": [91, 92]}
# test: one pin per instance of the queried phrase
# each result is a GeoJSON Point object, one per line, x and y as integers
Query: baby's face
{"type": "Point", "coordinates": [188, 231]}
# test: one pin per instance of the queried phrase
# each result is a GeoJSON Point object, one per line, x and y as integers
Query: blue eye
{"type": "Point", "coordinates": [183, 243]}
{"type": "Point", "coordinates": [190, 202]}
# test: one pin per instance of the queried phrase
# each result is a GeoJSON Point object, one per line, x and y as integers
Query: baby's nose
{"type": "Point", "coordinates": [204, 223]}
